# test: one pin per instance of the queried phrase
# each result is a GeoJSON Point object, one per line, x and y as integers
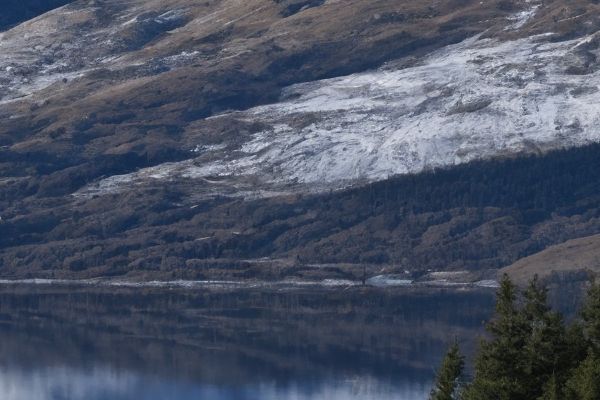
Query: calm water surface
{"type": "Point", "coordinates": [82, 344]}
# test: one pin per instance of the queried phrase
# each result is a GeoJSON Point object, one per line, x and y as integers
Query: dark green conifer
{"type": "Point", "coordinates": [585, 381]}
{"type": "Point", "coordinates": [498, 366]}
{"type": "Point", "coordinates": [531, 355]}
{"type": "Point", "coordinates": [576, 343]}
{"type": "Point", "coordinates": [552, 390]}
{"type": "Point", "coordinates": [545, 355]}
{"type": "Point", "coordinates": [448, 378]}
{"type": "Point", "coordinates": [590, 314]}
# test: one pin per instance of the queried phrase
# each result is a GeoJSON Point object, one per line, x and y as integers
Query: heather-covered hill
{"type": "Point", "coordinates": [479, 217]}
{"type": "Point", "coordinates": [273, 139]}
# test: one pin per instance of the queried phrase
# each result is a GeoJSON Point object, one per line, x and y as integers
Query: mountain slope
{"type": "Point", "coordinates": [575, 256]}
{"type": "Point", "coordinates": [261, 138]}
{"type": "Point", "coordinates": [460, 103]}
{"type": "Point", "coordinates": [151, 69]}
{"type": "Point", "coordinates": [478, 216]}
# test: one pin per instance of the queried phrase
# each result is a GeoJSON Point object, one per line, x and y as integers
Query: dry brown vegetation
{"type": "Point", "coordinates": [580, 255]}
{"type": "Point", "coordinates": [140, 113]}
{"type": "Point", "coordinates": [479, 216]}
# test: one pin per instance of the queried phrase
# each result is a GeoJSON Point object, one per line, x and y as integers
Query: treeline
{"type": "Point", "coordinates": [478, 216]}
{"type": "Point", "coordinates": [530, 353]}
{"type": "Point", "coordinates": [542, 183]}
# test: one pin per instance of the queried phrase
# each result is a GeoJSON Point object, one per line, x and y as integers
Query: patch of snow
{"type": "Point", "coordinates": [209, 148]}
{"type": "Point", "coordinates": [522, 18]}
{"type": "Point", "coordinates": [171, 15]}
{"type": "Point", "coordinates": [444, 283]}
{"type": "Point", "coordinates": [487, 283]}
{"type": "Point", "coordinates": [388, 280]}
{"type": "Point", "coordinates": [337, 282]}
{"type": "Point", "coordinates": [447, 274]}
{"type": "Point", "coordinates": [62, 45]}
{"type": "Point", "coordinates": [110, 185]}
{"type": "Point", "coordinates": [477, 99]}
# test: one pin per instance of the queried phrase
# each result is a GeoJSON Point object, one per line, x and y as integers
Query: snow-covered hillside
{"type": "Point", "coordinates": [177, 139]}
{"type": "Point", "coordinates": [478, 99]}
{"type": "Point", "coordinates": [72, 41]}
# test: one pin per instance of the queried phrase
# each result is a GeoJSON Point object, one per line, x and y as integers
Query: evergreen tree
{"type": "Point", "coordinates": [552, 390]}
{"type": "Point", "coordinates": [590, 314]}
{"type": "Point", "coordinates": [545, 354]}
{"type": "Point", "coordinates": [498, 366]}
{"type": "Point", "coordinates": [577, 347]}
{"type": "Point", "coordinates": [449, 376]}
{"type": "Point", "coordinates": [585, 381]}
{"type": "Point", "coordinates": [530, 354]}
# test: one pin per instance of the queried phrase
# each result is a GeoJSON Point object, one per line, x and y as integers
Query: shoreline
{"type": "Point", "coordinates": [325, 284]}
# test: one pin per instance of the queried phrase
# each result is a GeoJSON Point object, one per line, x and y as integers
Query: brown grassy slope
{"type": "Point", "coordinates": [479, 216]}
{"type": "Point", "coordinates": [575, 255]}
{"type": "Point", "coordinates": [114, 120]}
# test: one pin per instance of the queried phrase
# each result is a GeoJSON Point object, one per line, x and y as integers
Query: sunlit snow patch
{"type": "Point", "coordinates": [522, 18]}
{"type": "Point", "coordinates": [487, 283]}
{"type": "Point", "coordinates": [388, 280]}
{"type": "Point", "coordinates": [477, 99]}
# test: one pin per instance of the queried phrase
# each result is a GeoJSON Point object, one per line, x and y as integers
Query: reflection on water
{"type": "Point", "coordinates": [106, 383]}
{"type": "Point", "coordinates": [71, 344]}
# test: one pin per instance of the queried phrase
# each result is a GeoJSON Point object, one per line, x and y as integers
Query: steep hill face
{"type": "Point", "coordinates": [177, 137]}
{"type": "Point", "coordinates": [102, 81]}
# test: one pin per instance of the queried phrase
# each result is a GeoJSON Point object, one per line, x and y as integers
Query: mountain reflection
{"type": "Point", "coordinates": [65, 343]}
{"type": "Point", "coordinates": [105, 383]}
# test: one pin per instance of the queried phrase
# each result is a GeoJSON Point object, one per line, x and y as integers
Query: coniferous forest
{"type": "Point", "coordinates": [530, 352]}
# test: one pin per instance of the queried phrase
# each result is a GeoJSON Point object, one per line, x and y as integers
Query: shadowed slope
{"type": "Point", "coordinates": [99, 89]}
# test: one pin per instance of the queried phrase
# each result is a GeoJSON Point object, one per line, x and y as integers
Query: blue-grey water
{"type": "Point", "coordinates": [82, 344]}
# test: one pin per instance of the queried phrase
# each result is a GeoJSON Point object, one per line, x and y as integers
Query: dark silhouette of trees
{"type": "Point", "coordinates": [531, 353]}
{"type": "Point", "coordinates": [449, 376]}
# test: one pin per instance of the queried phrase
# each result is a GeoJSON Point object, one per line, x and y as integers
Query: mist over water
{"type": "Point", "coordinates": [105, 383]}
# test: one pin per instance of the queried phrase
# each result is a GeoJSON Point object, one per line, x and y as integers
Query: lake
{"type": "Point", "coordinates": [82, 343]}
